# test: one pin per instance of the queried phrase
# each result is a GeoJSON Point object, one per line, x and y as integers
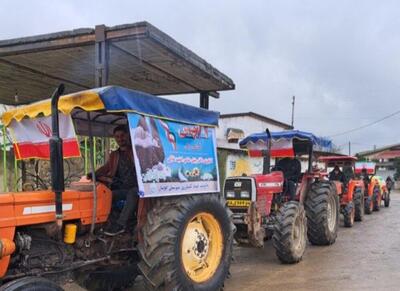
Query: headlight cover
{"type": "Point", "coordinates": [245, 194]}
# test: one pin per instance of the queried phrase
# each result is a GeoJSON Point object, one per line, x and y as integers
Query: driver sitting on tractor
{"type": "Point", "coordinates": [119, 174]}
{"type": "Point", "coordinates": [291, 169]}
{"type": "Point", "coordinates": [337, 175]}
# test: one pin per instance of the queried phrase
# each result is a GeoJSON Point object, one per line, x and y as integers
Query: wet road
{"type": "Point", "coordinates": [364, 257]}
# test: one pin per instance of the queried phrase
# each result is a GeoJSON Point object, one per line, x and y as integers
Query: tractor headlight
{"type": "Point", "coordinates": [244, 194]}
{"type": "Point", "coordinates": [230, 194]}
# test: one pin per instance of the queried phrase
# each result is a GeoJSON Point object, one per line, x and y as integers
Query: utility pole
{"type": "Point", "coordinates": [293, 100]}
{"type": "Point", "coordinates": [349, 148]}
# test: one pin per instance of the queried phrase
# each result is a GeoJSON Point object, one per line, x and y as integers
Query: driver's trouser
{"type": "Point", "coordinates": [291, 190]}
{"type": "Point", "coordinates": [131, 200]}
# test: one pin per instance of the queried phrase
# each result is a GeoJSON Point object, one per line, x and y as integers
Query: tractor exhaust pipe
{"type": "Point", "coordinates": [56, 155]}
{"type": "Point", "coordinates": [267, 155]}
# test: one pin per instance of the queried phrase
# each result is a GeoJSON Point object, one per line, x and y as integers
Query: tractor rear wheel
{"type": "Point", "coordinates": [322, 210]}
{"type": "Point", "coordinates": [376, 199]}
{"type": "Point", "coordinates": [359, 204]}
{"type": "Point", "coordinates": [187, 243]}
{"type": "Point", "coordinates": [290, 233]}
{"type": "Point", "coordinates": [349, 213]}
{"type": "Point", "coordinates": [387, 199]}
{"type": "Point", "coordinates": [369, 205]}
{"type": "Point", "coordinates": [31, 284]}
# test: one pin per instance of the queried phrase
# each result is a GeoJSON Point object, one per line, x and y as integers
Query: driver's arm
{"type": "Point", "coordinates": [103, 173]}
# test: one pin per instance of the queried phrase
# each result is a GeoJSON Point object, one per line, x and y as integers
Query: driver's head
{"type": "Point", "coordinates": [336, 169]}
{"type": "Point", "coordinates": [121, 135]}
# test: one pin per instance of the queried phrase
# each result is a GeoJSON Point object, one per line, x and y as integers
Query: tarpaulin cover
{"type": "Point", "coordinates": [284, 140]}
{"type": "Point", "coordinates": [117, 99]}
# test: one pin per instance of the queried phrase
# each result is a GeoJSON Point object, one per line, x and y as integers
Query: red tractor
{"type": "Point", "coordinates": [283, 202]}
{"type": "Point", "coordinates": [350, 190]}
{"type": "Point", "coordinates": [373, 190]}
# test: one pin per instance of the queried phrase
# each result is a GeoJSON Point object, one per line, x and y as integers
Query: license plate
{"type": "Point", "coordinates": [239, 203]}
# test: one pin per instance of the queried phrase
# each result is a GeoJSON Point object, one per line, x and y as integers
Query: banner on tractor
{"type": "Point", "coordinates": [173, 158]}
{"type": "Point", "coordinates": [31, 137]}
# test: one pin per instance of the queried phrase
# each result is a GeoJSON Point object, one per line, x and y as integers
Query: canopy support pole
{"type": "Point", "coordinates": [93, 171]}
{"type": "Point", "coordinates": [86, 155]}
{"type": "Point", "coordinates": [15, 173]}
{"type": "Point", "coordinates": [4, 159]}
{"type": "Point", "coordinates": [101, 56]}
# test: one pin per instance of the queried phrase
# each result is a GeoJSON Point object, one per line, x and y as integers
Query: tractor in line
{"type": "Point", "coordinates": [284, 203]}
{"type": "Point", "coordinates": [351, 190]}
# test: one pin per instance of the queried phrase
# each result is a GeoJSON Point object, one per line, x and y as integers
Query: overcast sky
{"type": "Point", "coordinates": [341, 59]}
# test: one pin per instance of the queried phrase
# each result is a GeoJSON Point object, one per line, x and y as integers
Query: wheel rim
{"type": "Point", "coordinates": [202, 247]}
{"type": "Point", "coordinates": [297, 233]}
{"type": "Point", "coordinates": [331, 213]}
{"type": "Point", "coordinates": [352, 215]}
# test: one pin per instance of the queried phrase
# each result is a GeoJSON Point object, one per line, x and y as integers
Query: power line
{"type": "Point", "coordinates": [366, 125]}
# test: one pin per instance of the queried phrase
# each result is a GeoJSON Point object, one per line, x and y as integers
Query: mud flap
{"type": "Point", "coordinates": [255, 231]}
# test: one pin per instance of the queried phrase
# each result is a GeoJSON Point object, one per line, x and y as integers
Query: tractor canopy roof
{"type": "Point", "coordinates": [114, 99]}
{"type": "Point", "coordinates": [340, 161]}
{"type": "Point", "coordinates": [285, 143]}
{"type": "Point", "coordinates": [337, 158]}
{"type": "Point", "coordinates": [106, 108]}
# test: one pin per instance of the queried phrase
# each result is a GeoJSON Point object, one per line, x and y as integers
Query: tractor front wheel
{"type": "Point", "coordinates": [187, 243]}
{"type": "Point", "coordinates": [322, 210]}
{"type": "Point", "coordinates": [369, 205]}
{"type": "Point", "coordinates": [31, 284]}
{"type": "Point", "coordinates": [349, 214]}
{"type": "Point", "coordinates": [359, 205]}
{"type": "Point", "coordinates": [290, 233]}
{"type": "Point", "coordinates": [376, 199]}
{"type": "Point", "coordinates": [387, 199]}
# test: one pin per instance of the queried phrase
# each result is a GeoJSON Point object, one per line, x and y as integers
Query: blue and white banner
{"type": "Point", "coordinates": [173, 158]}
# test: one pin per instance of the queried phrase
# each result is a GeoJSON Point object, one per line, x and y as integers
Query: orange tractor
{"type": "Point", "coordinates": [284, 203]}
{"type": "Point", "coordinates": [351, 190]}
{"type": "Point", "coordinates": [183, 236]}
{"type": "Point", "coordinates": [374, 188]}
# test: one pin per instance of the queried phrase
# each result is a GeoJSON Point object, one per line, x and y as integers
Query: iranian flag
{"type": "Point", "coordinates": [31, 137]}
{"type": "Point", "coordinates": [279, 148]}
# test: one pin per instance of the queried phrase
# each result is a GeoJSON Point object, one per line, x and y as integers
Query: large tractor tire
{"type": "Point", "coordinates": [322, 211]}
{"type": "Point", "coordinates": [349, 214]}
{"type": "Point", "coordinates": [376, 199]}
{"type": "Point", "coordinates": [290, 233]}
{"type": "Point", "coordinates": [31, 284]}
{"type": "Point", "coordinates": [369, 205]}
{"type": "Point", "coordinates": [187, 243]}
{"type": "Point", "coordinates": [387, 199]}
{"type": "Point", "coordinates": [359, 204]}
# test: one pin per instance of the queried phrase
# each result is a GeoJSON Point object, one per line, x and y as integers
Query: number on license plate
{"type": "Point", "coordinates": [238, 203]}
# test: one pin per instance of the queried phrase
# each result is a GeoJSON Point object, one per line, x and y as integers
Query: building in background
{"type": "Point", "coordinates": [384, 157]}
{"type": "Point", "coordinates": [232, 160]}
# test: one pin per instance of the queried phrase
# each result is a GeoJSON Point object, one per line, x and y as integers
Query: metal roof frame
{"type": "Point", "coordinates": [137, 56]}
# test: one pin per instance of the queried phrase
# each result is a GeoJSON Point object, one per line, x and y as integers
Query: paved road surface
{"type": "Point", "coordinates": [365, 257]}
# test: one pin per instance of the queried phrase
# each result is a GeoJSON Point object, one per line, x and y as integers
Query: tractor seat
{"type": "Point", "coordinates": [291, 168]}
{"type": "Point", "coordinates": [83, 185]}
